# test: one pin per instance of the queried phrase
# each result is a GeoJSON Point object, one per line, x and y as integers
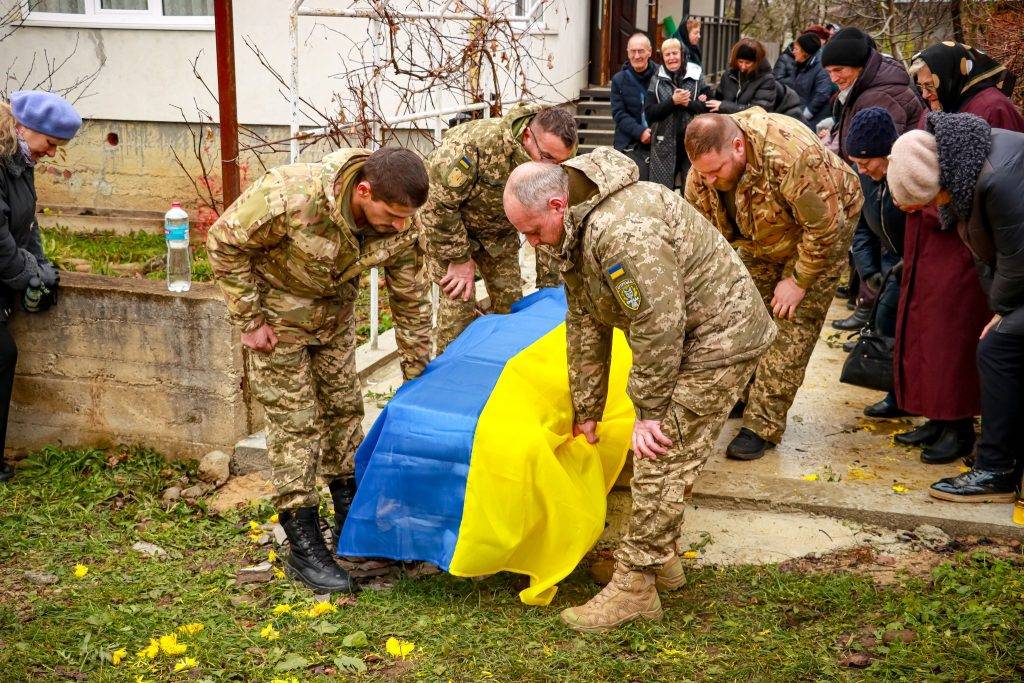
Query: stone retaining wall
{"type": "Point", "coordinates": [125, 361]}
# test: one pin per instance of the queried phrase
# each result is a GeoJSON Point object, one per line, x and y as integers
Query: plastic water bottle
{"type": "Point", "coordinates": [179, 263]}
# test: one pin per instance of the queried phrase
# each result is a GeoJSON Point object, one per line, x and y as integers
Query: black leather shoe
{"type": "Point", "coordinates": [955, 442]}
{"type": "Point", "coordinates": [849, 346]}
{"type": "Point", "coordinates": [860, 317]}
{"type": "Point", "coordinates": [843, 292]}
{"type": "Point", "coordinates": [737, 410]}
{"type": "Point", "coordinates": [747, 446]}
{"type": "Point", "coordinates": [885, 408]}
{"type": "Point", "coordinates": [977, 486]}
{"type": "Point", "coordinates": [343, 491]}
{"type": "Point", "coordinates": [925, 435]}
{"type": "Point", "coordinates": [6, 471]}
{"type": "Point", "coordinates": [309, 559]}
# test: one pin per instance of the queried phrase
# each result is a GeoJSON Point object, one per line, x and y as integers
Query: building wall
{"type": "Point", "coordinates": [124, 361]}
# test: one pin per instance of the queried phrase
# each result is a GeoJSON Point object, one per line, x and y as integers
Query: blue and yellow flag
{"type": "Point", "coordinates": [473, 466]}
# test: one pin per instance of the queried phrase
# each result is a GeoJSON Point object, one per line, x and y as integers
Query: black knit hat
{"type": "Point", "coordinates": [809, 43]}
{"type": "Point", "coordinates": [849, 47]}
{"type": "Point", "coordinates": [872, 134]}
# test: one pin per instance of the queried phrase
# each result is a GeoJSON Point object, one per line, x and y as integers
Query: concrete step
{"type": "Point", "coordinates": [595, 123]}
{"type": "Point", "coordinates": [596, 93]}
{"type": "Point", "coordinates": [595, 108]}
{"type": "Point", "coordinates": [597, 137]}
{"type": "Point", "coordinates": [84, 220]}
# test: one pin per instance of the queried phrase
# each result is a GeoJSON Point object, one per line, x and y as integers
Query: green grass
{"type": "Point", "coordinates": [744, 624]}
{"type": "Point", "coordinates": [105, 249]}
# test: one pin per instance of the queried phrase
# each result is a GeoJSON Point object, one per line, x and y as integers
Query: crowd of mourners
{"type": "Point", "coordinates": [937, 257]}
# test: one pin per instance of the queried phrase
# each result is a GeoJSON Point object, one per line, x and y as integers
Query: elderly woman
{"type": "Point", "coordinates": [671, 103]}
{"type": "Point", "coordinates": [942, 308]}
{"type": "Point", "coordinates": [811, 81]}
{"type": "Point", "coordinates": [31, 127]}
{"type": "Point", "coordinates": [974, 173]}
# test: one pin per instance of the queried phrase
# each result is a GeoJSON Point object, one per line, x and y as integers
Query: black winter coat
{"type": "Point", "coordinates": [627, 99]}
{"type": "Point", "coordinates": [668, 123]}
{"type": "Point", "coordinates": [995, 231]}
{"type": "Point", "coordinates": [785, 66]}
{"type": "Point", "coordinates": [815, 89]}
{"type": "Point", "coordinates": [738, 91]}
{"type": "Point", "coordinates": [21, 250]}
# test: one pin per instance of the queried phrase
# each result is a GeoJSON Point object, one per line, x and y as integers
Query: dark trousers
{"type": "Point", "coordinates": [889, 298]}
{"type": "Point", "coordinates": [8, 359]}
{"type": "Point", "coordinates": [1001, 370]}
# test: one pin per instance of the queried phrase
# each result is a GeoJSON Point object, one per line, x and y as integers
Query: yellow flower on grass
{"type": "Point", "coordinates": [270, 633]}
{"type": "Point", "coordinates": [140, 679]}
{"type": "Point", "coordinates": [274, 519]}
{"type": "Point", "coordinates": [271, 556]}
{"type": "Point", "coordinates": [150, 651]}
{"type": "Point", "coordinates": [399, 648]}
{"type": "Point", "coordinates": [899, 488]}
{"type": "Point", "coordinates": [191, 629]}
{"type": "Point", "coordinates": [80, 570]}
{"type": "Point", "coordinates": [321, 608]}
{"type": "Point", "coordinates": [691, 554]}
{"type": "Point", "coordinates": [117, 655]}
{"type": "Point", "coordinates": [185, 663]}
{"type": "Point", "coordinates": [281, 609]}
{"type": "Point", "coordinates": [255, 526]}
{"type": "Point", "coordinates": [170, 646]}
{"type": "Point", "coordinates": [810, 477]}
{"type": "Point", "coordinates": [278, 574]}
{"type": "Point", "coordinates": [293, 679]}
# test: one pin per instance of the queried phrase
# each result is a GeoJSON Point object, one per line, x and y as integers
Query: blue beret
{"type": "Point", "coordinates": [46, 113]}
{"type": "Point", "coordinates": [872, 133]}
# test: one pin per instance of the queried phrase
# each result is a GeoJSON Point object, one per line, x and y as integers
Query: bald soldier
{"type": "Point", "coordinates": [788, 206]}
{"type": "Point", "coordinates": [637, 257]}
{"type": "Point", "coordinates": [465, 229]}
{"type": "Point", "coordinates": [287, 256]}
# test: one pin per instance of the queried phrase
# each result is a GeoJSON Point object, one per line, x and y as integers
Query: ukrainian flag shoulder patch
{"type": "Point", "coordinates": [616, 271]}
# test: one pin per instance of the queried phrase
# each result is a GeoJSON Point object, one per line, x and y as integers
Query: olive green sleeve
{"type": "Point", "coordinates": [589, 344]}
{"type": "Point", "coordinates": [452, 169]}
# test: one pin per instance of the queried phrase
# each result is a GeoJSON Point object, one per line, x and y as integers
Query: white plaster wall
{"type": "Point", "coordinates": [144, 73]}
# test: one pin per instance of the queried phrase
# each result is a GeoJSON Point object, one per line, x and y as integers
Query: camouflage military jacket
{"type": "Point", "coordinates": [637, 257]}
{"type": "Point", "coordinates": [284, 253]}
{"type": "Point", "coordinates": [796, 201]}
{"type": "Point", "coordinates": [468, 172]}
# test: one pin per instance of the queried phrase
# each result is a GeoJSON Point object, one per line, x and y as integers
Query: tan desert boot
{"type": "Point", "coordinates": [629, 595]}
{"type": "Point", "coordinates": [670, 576]}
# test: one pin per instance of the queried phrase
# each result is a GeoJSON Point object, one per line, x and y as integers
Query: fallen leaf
{"type": "Point", "coordinates": [810, 477]}
{"type": "Point", "coordinates": [899, 488]}
{"type": "Point", "coordinates": [357, 639]}
{"type": "Point", "coordinates": [350, 665]}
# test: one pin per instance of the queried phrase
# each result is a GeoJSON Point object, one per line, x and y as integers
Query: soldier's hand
{"type": "Point", "coordinates": [261, 339]}
{"type": "Point", "coordinates": [588, 428]}
{"type": "Point", "coordinates": [788, 295]}
{"type": "Point", "coordinates": [458, 282]}
{"type": "Point", "coordinates": [648, 439]}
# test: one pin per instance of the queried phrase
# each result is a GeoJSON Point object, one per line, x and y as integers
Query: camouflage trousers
{"type": "Point", "coordinates": [314, 408]}
{"type": "Point", "coordinates": [781, 369]}
{"type": "Point", "coordinates": [409, 295]}
{"type": "Point", "coordinates": [701, 402]}
{"type": "Point", "coordinates": [504, 283]}
{"type": "Point", "coordinates": [548, 274]}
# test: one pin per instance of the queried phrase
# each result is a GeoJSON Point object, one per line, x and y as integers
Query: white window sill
{"type": "Point", "coordinates": [160, 24]}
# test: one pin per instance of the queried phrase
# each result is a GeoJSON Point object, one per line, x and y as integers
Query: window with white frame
{"type": "Point", "coordinates": [159, 14]}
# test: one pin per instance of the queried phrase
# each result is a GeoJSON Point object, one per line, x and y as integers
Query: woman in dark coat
{"type": "Point", "coordinates": [975, 173]}
{"type": "Point", "coordinates": [749, 82]}
{"type": "Point", "coordinates": [31, 127]}
{"type": "Point", "coordinates": [811, 81]}
{"type": "Point", "coordinates": [942, 308]}
{"type": "Point", "coordinates": [670, 104]}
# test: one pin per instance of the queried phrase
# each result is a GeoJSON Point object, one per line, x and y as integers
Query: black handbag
{"type": "Point", "coordinates": [870, 364]}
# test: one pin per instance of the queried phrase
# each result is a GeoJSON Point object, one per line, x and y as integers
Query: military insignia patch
{"type": "Point", "coordinates": [460, 172]}
{"type": "Point", "coordinates": [628, 293]}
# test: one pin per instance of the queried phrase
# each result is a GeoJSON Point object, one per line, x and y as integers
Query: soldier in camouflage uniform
{"type": "Point", "coordinates": [464, 226]}
{"type": "Point", "coordinates": [788, 206]}
{"type": "Point", "coordinates": [637, 257]}
{"type": "Point", "coordinates": [287, 255]}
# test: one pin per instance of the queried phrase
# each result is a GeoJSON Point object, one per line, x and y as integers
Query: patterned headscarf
{"type": "Point", "coordinates": [958, 72]}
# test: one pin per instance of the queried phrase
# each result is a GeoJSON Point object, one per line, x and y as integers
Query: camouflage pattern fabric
{"type": "Point", "coordinates": [285, 253]}
{"type": "Point", "coordinates": [795, 198]}
{"type": "Point", "coordinates": [314, 409]}
{"type": "Point", "coordinates": [464, 217]}
{"type": "Point", "coordinates": [781, 369]}
{"type": "Point", "coordinates": [638, 257]}
{"type": "Point", "coordinates": [504, 283]}
{"type": "Point", "coordinates": [701, 402]}
{"type": "Point", "coordinates": [547, 269]}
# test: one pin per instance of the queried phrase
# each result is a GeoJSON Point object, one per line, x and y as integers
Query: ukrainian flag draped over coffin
{"type": "Point", "coordinates": [473, 467]}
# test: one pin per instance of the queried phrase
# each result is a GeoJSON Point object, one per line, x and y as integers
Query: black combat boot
{"type": "Point", "coordinates": [343, 491]}
{"type": "Point", "coordinates": [978, 486]}
{"type": "Point", "coordinates": [747, 446]}
{"type": "Point", "coordinates": [956, 441]}
{"type": "Point", "coordinates": [925, 435]}
{"type": "Point", "coordinates": [309, 559]}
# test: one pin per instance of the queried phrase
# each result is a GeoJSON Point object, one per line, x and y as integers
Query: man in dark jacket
{"type": "Point", "coordinates": [975, 175]}
{"type": "Point", "coordinates": [629, 87]}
